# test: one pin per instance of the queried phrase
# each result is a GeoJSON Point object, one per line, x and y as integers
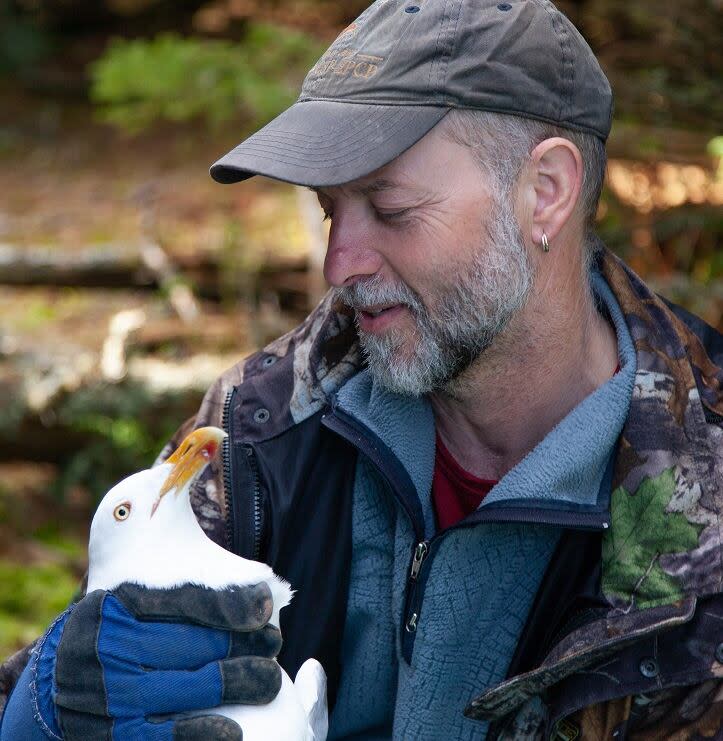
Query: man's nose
{"type": "Point", "coordinates": [350, 255]}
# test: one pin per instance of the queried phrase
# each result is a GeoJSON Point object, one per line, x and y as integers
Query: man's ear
{"type": "Point", "coordinates": [556, 175]}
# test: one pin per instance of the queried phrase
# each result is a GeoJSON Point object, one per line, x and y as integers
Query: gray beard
{"type": "Point", "coordinates": [463, 323]}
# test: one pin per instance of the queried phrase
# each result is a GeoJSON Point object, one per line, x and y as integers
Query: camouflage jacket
{"type": "Point", "coordinates": [625, 639]}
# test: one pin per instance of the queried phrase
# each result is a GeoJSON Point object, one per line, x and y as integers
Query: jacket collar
{"type": "Point", "coordinates": [665, 540]}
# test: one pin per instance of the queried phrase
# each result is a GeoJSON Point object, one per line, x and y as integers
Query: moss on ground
{"type": "Point", "coordinates": [30, 597]}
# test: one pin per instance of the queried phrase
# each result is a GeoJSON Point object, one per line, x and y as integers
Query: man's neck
{"type": "Point", "coordinates": [550, 357]}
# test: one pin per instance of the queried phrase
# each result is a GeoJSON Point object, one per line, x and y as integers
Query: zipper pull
{"type": "Point", "coordinates": [420, 553]}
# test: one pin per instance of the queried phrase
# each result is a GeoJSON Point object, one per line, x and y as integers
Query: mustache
{"type": "Point", "coordinates": [376, 291]}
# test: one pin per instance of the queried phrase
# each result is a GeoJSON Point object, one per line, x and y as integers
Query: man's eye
{"type": "Point", "coordinates": [390, 215]}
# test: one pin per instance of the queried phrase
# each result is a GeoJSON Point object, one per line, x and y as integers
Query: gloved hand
{"type": "Point", "coordinates": [122, 664]}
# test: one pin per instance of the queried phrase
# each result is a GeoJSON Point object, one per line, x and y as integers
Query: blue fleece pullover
{"type": "Point", "coordinates": [416, 651]}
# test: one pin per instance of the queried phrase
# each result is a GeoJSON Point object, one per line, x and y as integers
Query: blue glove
{"type": "Point", "coordinates": [121, 664]}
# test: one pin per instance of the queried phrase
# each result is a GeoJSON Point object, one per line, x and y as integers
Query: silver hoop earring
{"type": "Point", "coordinates": [545, 243]}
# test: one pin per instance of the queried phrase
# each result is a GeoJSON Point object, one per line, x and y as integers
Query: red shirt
{"type": "Point", "coordinates": [455, 492]}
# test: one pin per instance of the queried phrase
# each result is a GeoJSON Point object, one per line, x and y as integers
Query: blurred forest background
{"type": "Point", "coordinates": [129, 280]}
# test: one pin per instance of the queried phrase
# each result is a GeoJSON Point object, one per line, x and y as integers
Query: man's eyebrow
{"type": "Point", "coordinates": [376, 186]}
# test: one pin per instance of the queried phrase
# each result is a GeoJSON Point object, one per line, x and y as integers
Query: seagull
{"type": "Point", "coordinates": [145, 532]}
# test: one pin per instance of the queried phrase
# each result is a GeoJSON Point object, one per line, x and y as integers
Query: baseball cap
{"type": "Point", "coordinates": [397, 70]}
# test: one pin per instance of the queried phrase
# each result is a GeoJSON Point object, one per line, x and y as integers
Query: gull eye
{"type": "Point", "coordinates": [122, 511]}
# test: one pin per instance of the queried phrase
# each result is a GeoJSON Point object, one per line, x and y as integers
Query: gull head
{"type": "Point", "coordinates": [144, 521]}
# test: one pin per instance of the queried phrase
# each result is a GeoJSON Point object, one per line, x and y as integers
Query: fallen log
{"type": "Point", "coordinates": [114, 265]}
{"type": "Point", "coordinates": [96, 266]}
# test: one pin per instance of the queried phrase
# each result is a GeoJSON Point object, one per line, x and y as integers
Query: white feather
{"type": "Point", "coordinates": [169, 549]}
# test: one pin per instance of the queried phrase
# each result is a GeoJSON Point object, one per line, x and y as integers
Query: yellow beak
{"type": "Point", "coordinates": [190, 458]}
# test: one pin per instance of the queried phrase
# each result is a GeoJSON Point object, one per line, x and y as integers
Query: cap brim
{"type": "Point", "coordinates": [326, 142]}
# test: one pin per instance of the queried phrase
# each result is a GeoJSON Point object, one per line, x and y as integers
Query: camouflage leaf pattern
{"type": "Point", "coordinates": [631, 547]}
{"type": "Point", "coordinates": [676, 385]}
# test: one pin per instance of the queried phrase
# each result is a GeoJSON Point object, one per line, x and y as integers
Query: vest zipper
{"type": "Point", "coordinates": [403, 490]}
{"type": "Point", "coordinates": [420, 553]}
{"type": "Point", "coordinates": [413, 600]}
{"type": "Point", "coordinates": [257, 510]}
{"type": "Point", "coordinates": [422, 558]}
{"type": "Point", "coordinates": [227, 482]}
{"type": "Point", "coordinates": [234, 515]}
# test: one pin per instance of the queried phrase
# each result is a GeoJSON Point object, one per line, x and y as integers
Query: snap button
{"type": "Point", "coordinates": [269, 361]}
{"type": "Point", "coordinates": [649, 668]}
{"type": "Point", "coordinates": [565, 730]}
{"type": "Point", "coordinates": [262, 416]}
{"type": "Point", "coordinates": [719, 653]}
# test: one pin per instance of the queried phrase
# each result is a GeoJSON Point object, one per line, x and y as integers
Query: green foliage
{"type": "Point", "coordinates": [641, 531]}
{"type": "Point", "coordinates": [715, 146]}
{"type": "Point", "coordinates": [126, 427]}
{"type": "Point", "coordinates": [139, 82]}
{"type": "Point", "coordinates": [30, 597]}
{"type": "Point", "coordinates": [715, 149]}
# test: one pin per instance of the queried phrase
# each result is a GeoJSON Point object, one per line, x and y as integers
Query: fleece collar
{"type": "Point", "coordinates": [566, 469]}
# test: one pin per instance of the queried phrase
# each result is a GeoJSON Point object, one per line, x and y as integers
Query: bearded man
{"type": "Point", "coordinates": [489, 460]}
